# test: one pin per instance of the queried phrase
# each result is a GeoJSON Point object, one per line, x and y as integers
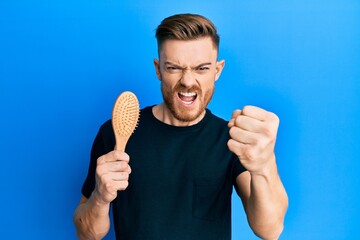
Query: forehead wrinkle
{"type": "Point", "coordinates": [194, 63]}
{"type": "Point", "coordinates": [194, 52]}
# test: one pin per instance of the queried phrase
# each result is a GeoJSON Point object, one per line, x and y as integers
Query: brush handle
{"type": "Point", "coordinates": [120, 145]}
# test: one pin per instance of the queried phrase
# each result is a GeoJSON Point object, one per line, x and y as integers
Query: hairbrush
{"type": "Point", "coordinates": [125, 116]}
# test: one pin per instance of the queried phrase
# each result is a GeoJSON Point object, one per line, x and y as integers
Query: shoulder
{"type": "Point", "coordinates": [106, 128]}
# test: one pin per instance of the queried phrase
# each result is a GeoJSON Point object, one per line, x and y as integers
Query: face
{"type": "Point", "coordinates": [187, 71]}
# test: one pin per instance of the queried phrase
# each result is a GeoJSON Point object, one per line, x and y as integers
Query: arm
{"type": "Point", "coordinates": [91, 217]}
{"type": "Point", "coordinates": [253, 135]}
{"type": "Point", "coordinates": [265, 202]}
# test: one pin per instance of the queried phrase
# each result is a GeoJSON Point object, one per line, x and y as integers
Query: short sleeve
{"type": "Point", "coordinates": [237, 168]}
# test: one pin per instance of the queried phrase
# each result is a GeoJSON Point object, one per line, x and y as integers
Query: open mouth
{"type": "Point", "coordinates": [187, 97]}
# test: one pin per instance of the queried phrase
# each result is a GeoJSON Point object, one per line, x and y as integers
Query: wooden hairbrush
{"type": "Point", "coordinates": [125, 116]}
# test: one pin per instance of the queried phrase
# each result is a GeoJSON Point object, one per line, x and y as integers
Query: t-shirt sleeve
{"type": "Point", "coordinates": [101, 146]}
{"type": "Point", "coordinates": [237, 168]}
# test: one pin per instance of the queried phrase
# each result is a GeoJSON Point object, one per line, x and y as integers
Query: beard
{"type": "Point", "coordinates": [182, 113]}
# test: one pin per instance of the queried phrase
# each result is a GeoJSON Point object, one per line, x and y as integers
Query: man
{"type": "Point", "coordinates": [183, 160]}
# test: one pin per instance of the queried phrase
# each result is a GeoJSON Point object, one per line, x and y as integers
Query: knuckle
{"type": "Point", "coordinates": [230, 144]}
{"type": "Point", "coordinates": [103, 179]}
{"type": "Point", "coordinates": [123, 185]}
{"type": "Point", "coordinates": [235, 147]}
{"type": "Point", "coordinates": [109, 186]}
{"type": "Point", "coordinates": [102, 168]}
{"type": "Point", "coordinates": [100, 160]}
{"type": "Point", "coordinates": [125, 175]}
{"type": "Point", "coordinates": [245, 110]}
{"type": "Point", "coordinates": [248, 110]}
{"type": "Point", "coordinates": [256, 141]}
{"type": "Point", "coordinates": [123, 165]}
{"type": "Point", "coordinates": [273, 117]}
{"type": "Point", "coordinates": [268, 131]}
{"type": "Point", "coordinates": [238, 120]}
{"type": "Point", "coordinates": [99, 170]}
{"type": "Point", "coordinates": [250, 153]}
{"type": "Point", "coordinates": [276, 118]}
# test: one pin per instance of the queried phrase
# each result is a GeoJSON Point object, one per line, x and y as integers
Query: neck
{"type": "Point", "coordinates": [163, 114]}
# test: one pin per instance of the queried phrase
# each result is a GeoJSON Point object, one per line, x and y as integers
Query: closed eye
{"type": "Point", "coordinates": [202, 69]}
{"type": "Point", "coordinates": [173, 69]}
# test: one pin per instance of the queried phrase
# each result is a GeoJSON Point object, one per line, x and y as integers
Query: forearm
{"type": "Point", "coordinates": [267, 204]}
{"type": "Point", "coordinates": [92, 219]}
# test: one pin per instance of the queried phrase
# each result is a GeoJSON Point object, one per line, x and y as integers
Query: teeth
{"type": "Point", "coordinates": [188, 94]}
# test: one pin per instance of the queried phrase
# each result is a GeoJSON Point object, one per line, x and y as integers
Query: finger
{"type": "Point", "coordinates": [245, 152]}
{"type": "Point", "coordinates": [231, 123]}
{"type": "Point", "coordinates": [119, 176]}
{"type": "Point", "coordinates": [236, 147]}
{"type": "Point", "coordinates": [114, 156]}
{"type": "Point", "coordinates": [249, 124]}
{"type": "Point", "coordinates": [236, 113]}
{"type": "Point", "coordinates": [255, 112]}
{"type": "Point", "coordinates": [243, 136]}
{"type": "Point", "coordinates": [114, 186]}
{"type": "Point", "coordinates": [118, 166]}
{"type": "Point", "coordinates": [233, 117]}
{"type": "Point", "coordinates": [121, 156]}
{"type": "Point", "coordinates": [121, 185]}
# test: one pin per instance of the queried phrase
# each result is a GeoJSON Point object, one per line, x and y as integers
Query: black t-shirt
{"type": "Point", "coordinates": [181, 181]}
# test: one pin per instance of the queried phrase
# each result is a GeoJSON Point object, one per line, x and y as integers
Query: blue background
{"type": "Point", "coordinates": [63, 63]}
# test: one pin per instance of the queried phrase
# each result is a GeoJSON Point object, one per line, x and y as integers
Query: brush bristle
{"type": "Point", "coordinates": [125, 114]}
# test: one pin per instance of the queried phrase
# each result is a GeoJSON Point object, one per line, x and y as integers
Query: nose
{"type": "Point", "coordinates": [188, 79]}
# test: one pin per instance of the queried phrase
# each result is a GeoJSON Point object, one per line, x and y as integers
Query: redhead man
{"type": "Point", "coordinates": [175, 178]}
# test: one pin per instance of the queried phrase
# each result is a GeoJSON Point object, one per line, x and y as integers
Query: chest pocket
{"type": "Point", "coordinates": [211, 198]}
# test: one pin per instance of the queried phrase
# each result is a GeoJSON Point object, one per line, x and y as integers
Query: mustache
{"type": "Point", "coordinates": [179, 87]}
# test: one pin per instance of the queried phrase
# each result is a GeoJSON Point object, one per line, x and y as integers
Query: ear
{"type": "Point", "coordinates": [219, 67]}
{"type": "Point", "coordinates": [157, 68]}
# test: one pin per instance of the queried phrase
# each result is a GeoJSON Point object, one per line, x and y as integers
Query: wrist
{"type": "Point", "coordinates": [268, 169]}
{"type": "Point", "coordinates": [98, 202]}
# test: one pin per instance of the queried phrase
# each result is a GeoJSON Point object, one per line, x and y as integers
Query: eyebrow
{"type": "Point", "coordinates": [177, 65]}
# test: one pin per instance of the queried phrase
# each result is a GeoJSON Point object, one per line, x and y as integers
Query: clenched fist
{"type": "Point", "coordinates": [252, 137]}
{"type": "Point", "coordinates": [112, 175]}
